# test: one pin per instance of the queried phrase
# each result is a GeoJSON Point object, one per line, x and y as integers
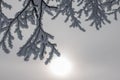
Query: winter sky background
{"type": "Point", "coordinates": [94, 55]}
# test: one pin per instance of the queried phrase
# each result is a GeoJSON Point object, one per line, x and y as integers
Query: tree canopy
{"type": "Point", "coordinates": [96, 11]}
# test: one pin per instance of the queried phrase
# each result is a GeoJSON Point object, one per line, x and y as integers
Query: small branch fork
{"type": "Point", "coordinates": [48, 5]}
{"type": "Point", "coordinates": [13, 20]}
{"type": "Point", "coordinates": [39, 36]}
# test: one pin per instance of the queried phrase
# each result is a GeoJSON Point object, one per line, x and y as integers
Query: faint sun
{"type": "Point", "coordinates": [60, 67]}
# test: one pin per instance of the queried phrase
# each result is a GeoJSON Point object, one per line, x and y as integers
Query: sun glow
{"type": "Point", "coordinates": [60, 67]}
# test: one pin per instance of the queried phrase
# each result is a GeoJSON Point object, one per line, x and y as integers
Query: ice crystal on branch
{"type": "Point", "coordinates": [33, 12]}
{"type": "Point", "coordinates": [96, 11]}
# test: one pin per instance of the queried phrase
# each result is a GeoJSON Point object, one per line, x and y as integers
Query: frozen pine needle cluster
{"type": "Point", "coordinates": [96, 11]}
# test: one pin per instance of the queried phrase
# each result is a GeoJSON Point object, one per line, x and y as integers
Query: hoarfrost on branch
{"type": "Point", "coordinates": [96, 11]}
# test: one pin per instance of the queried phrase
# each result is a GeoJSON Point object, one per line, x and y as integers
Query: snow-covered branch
{"type": "Point", "coordinates": [39, 40]}
{"type": "Point", "coordinates": [96, 11]}
{"type": "Point", "coordinates": [66, 8]}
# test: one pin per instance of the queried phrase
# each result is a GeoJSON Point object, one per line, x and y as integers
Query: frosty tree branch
{"type": "Point", "coordinates": [96, 11]}
{"type": "Point", "coordinates": [39, 37]}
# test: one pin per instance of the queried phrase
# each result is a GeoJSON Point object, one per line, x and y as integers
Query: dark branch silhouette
{"type": "Point", "coordinates": [96, 11]}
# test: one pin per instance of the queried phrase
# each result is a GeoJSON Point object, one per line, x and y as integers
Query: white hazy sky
{"type": "Point", "coordinates": [95, 55]}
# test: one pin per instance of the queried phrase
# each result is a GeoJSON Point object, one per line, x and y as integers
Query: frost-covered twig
{"type": "Point", "coordinates": [7, 31]}
{"type": "Point", "coordinates": [96, 11]}
{"type": "Point", "coordinates": [111, 9]}
{"type": "Point", "coordinates": [39, 40]}
{"type": "Point", "coordinates": [4, 23]}
{"type": "Point", "coordinates": [66, 8]}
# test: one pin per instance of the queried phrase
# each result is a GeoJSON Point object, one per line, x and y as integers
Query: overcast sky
{"type": "Point", "coordinates": [95, 55]}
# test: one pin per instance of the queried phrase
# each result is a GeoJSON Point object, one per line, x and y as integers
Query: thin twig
{"type": "Point", "coordinates": [48, 5]}
{"type": "Point", "coordinates": [12, 21]}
